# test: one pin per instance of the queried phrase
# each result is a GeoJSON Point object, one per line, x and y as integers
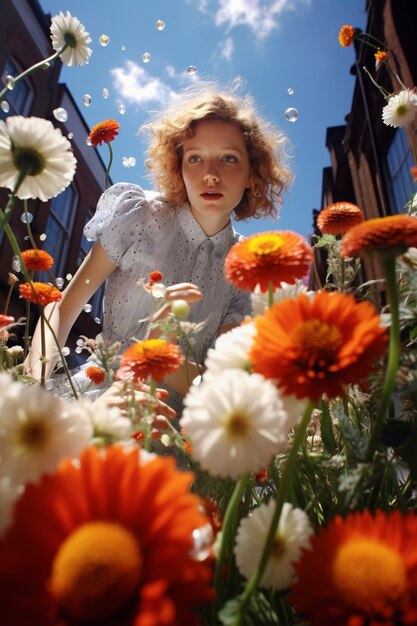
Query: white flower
{"type": "Point", "coordinates": [66, 29]}
{"type": "Point", "coordinates": [293, 534]}
{"type": "Point", "coordinates": [260, 301]}
{"type": "Point", "coordinates": [37, 430]}
{"type": "Point", "coordinates": [107, 422]}
{"type": "Point", "coordinates": [400, 110]}
{"type": "Point", "coordinates": [230, 351]}
{"type": "Point", "coordinates": [34, 145]}
{"type": "Point", "coordinates": [235, 422]}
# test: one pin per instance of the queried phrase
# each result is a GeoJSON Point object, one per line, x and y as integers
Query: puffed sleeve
{"type": "Point", "coordinates": [127, 223]}
{"type": "Point", "coordinates": [240, 306]}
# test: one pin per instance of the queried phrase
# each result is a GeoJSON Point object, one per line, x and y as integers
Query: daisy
{"type": "Point", "coordinates": [360, 570]}
{"type": "Point", "coordinates": [339, 217]}
{"type": "Point", "coordinates": [33, 147]}
{"type": "Point", "coordinates": [67, 30]}
{"type": "Point", "coordinates": [292, 534]}
{"type": "Point", "coordinates": [37, 260]}
{"type": "Point", "coordinates": [387, 236]}
{"type": "Point", "coordinates": [346, 35]}
{"type": "Point", "coordinates": [108, 423]}
{"type": "Point", "coordinates": [106, 540]}
{"type": "Point", "coordinates": [104, 131]}
{"type": "Point", "coordinates": [400, 110]}
{"type": "Point", "coordinates": [37, 430]}
{"type": "Point", "coordinates": [318, 345]}
{"type": "Point", "coordinates": [151, 357]}
{"type": "Point", "coordinates": [235, 422]}
{"type": "Point", "coordinates": [268, 258]}
{"type": "Point", "coordinates": [230, 351]}
{"type": "Point", "coordinates": [40, 293]}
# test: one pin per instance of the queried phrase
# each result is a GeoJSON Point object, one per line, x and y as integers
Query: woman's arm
{"type": "Point", "coordinates": [94, 270]}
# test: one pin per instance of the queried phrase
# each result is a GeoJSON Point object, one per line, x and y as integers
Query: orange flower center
{"type": "Point", "coordinates": [34, 435]}
{"type": "Point", "coordinates": [236, 425]}
{"type": "Point", "coordinates": [318, 342]}
{"type": "Point", "coordinates": [369, 574]}
{"type": "Point", "coordinates": [96, 571]}
{"type": "Point", "coordinates": [265, 244]}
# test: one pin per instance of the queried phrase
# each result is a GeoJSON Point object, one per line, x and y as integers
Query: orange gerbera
{"type": "Point", "coordinates": [339, 217]}
{"type": "Point", "coordinates": [39, 293]}
{"type": "Point", "coordinates": [105, 540]}
{"type": "Point", "coordinates": [271, 257]}
{"type": "Point", "coordinates": [95, 374]}
{"type": "Point", "coordinates": [386, 236]}
{"type": "Point", "coordinates": [6, 320]}
{"type": "Point", "coordinates": [152, 357]}
{"type": "Point", "coordinates": [316, 346]}
{"type": "Point", "coordinates": [380, 57]}
{"type": "Point", "coordinates": [346, 35]}
{"type": "Point", "coordinates": [103, 131]}
{"type": "Point", "coordinates": [360, 570]}
{"type": "Point", "coordinates": [413, 172]}
{"type": "Point", "coordinates": [37, 260]}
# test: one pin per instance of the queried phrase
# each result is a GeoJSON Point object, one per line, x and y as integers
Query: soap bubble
{"type": "Point", "coordinates": [104, 40]}
{"type": "Point", "coordinates": [60, 114]}
{"type": "Point", "coordinates": [87, 100]}
{"type": "Point", "coordinates": [291, 114]}
{"type": "Point", "coordinates": [122, 109]}
{"type": "Point", "coordinates": [105, 93]}
{"type": "Point", "coordinates": [290, 91]}
{"type": "Point", "coordinates": [146, 57]}
{"type": "Point", "coordinates": [160, 24]}
{"type": "Point", "coordinates": [191, 69]}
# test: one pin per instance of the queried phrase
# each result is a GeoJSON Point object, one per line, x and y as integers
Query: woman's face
{"type": "Point", "coordinates": [216, 172]}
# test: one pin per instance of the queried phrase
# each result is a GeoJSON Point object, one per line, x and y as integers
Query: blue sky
{"type": "Point", "coordinates": [272, 46]}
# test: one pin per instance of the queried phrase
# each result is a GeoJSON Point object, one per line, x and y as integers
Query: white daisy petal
{"type": "Point", "coordinates": [68, 29]}
{"type": "Point", "coordinates": [400, 110]}
{"type": "Point", "coordinates": [293, 534]}
{"type": "Point", "coordinates": [230, 351]}
{"type": "Point", "coordinates": [260, 301]}
{"type": "Point", "coordinates": [37, 430]}
{"type": "Point", "coordinates": [107, 422]}
{"type": "Point", "coordinates": [236, 423]}
{"type": "Point", "coordinates": [35, 139]}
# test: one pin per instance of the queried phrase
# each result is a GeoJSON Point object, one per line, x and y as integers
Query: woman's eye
{"type": "Point", "coordinates": [194, 159]}
{"type": "Point", "coordinates": [230, 158]}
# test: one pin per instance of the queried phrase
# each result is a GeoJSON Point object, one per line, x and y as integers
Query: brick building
{"type": "Point", "coordinates": [25, 40]}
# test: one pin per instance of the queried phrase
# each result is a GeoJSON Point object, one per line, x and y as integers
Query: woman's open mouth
{"type": "Point", "coordinates": [211, 195]}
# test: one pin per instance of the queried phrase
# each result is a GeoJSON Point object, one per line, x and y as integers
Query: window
{"type": "Point", "coordinates": [96, 301]}
{"type": "Point", "coordinates": [20, 98]}
{"type": "Point", "coordinates": [399, 161]}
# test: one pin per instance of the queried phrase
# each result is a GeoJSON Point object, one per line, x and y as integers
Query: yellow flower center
{"type": "Point", "coordinates": [96, 571]}
{"type": "Point", "coordinates": [265, 244]}
{"type": "Point", "coordinates": [369, 574]}
{"type": "Point", "coordinates": [279, 546]}
{"type": "Point", "coordinates": [402, 110]}
{"type": "Point", "coordinates": [318, 342]}
{"type": "Point", "coordinates": [34, 434]}
{"type": "Point", "coordinates": [237, 425]}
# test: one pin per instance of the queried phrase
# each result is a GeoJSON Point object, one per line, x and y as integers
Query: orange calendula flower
{"type": "Point", "coordinates": [95, 374]}
{"type": "Point", "coordinates": [380, 57]}
{"type": "Point", "coordinates": [346, 35]}
{"type": "Point", "coordinates": [38, 260]}
{"type": "Point", "coordinates": [359, 571]}
{"type": "Point", "coordinates": [386, 236]}
{"type": "Point", "coordinates": [103, 131]}
{"type": "Point", "coordinates": [39, 293]}
{"type": "Point", "coordinates": [155, 276]}
{"type": "Point", "coordinates": [271, 257]}
{"type": "Point", "coordinates": [106, 540]}
{"type": "Point", "coordinates": [6, 320]}
{"type": "Point", "coordinates": [152, 357]}
{"type": "Point", "coordinates": [317, 346]}
{"type": "Point", "coordinates": [413, 172]}
{"type": "Point", "coordinates": [339, 217]}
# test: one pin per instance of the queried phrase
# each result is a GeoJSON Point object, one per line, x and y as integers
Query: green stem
{"type": "Point", "coordinates": [270, 294]}
{"type": "Point", "coordinates": [107, 179]}
{"type": "Point", "coordinates": [32, 69]}
{"type": "Point", "coordinates": [229, 518]}
{"type": "Point", "coordinates": [43, 347]}
{"type": "Point", "coordinates": [285, 482]}
{"type": "Point", "coordinates": [28, 226]}
{"type": "Point", "coordinates": [388, 265]}
{"type": "Point", "coordinates": [6, 214]}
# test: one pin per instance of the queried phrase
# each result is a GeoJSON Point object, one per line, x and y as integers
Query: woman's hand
{"type": "Point", "coordinates": [181, 291]}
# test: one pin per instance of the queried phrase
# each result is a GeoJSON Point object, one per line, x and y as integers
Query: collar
{"type": "Point", "coordinates": [196, 235]}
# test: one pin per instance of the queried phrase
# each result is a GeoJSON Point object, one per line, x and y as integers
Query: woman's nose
{"type": "Point", "coordinates": [211, 177]}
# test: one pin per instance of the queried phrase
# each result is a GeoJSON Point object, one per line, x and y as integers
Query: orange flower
{"type": "Point", "coordinates": [95, 374]}
{"type": "Point", "coordinates": [152, 357]}
{"type": "Point", "coordinates": [346, 35]}
{"type": "Point", "coordinates": [6, 320]}
{"type": "Point", "coordinates": [105, 540]}
{"type": "Point", "coordinates": [103, 131]}
{"type": "Point", "coordinates": [271, 257]}
{"type": "Point", "coordinates": [413, 172]}
{"type": "Point", "coordinates": [387, 236]}
{"type": "Point", "coordinates": [380, 57]}
{"type": "Point", "coordinates": [37, 260]}
{"type": "Point", "coordinates": [361, 570]}
{"type": "Point", "coordinates": [155, 276]}
{"type": "Point", "coordinates": [39, 293]}
{"type": "Point", "coordinates": [316, 346]}
{"type": "Point", "coordinates": [339, 217]}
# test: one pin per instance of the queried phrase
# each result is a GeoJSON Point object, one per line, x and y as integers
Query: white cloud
{"type": "Point", "coordinates": [135, 85]}
{"type": "Point", "coordinates": [261, 16]}
{"type": "Point", "coordinates": [227, 48]}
